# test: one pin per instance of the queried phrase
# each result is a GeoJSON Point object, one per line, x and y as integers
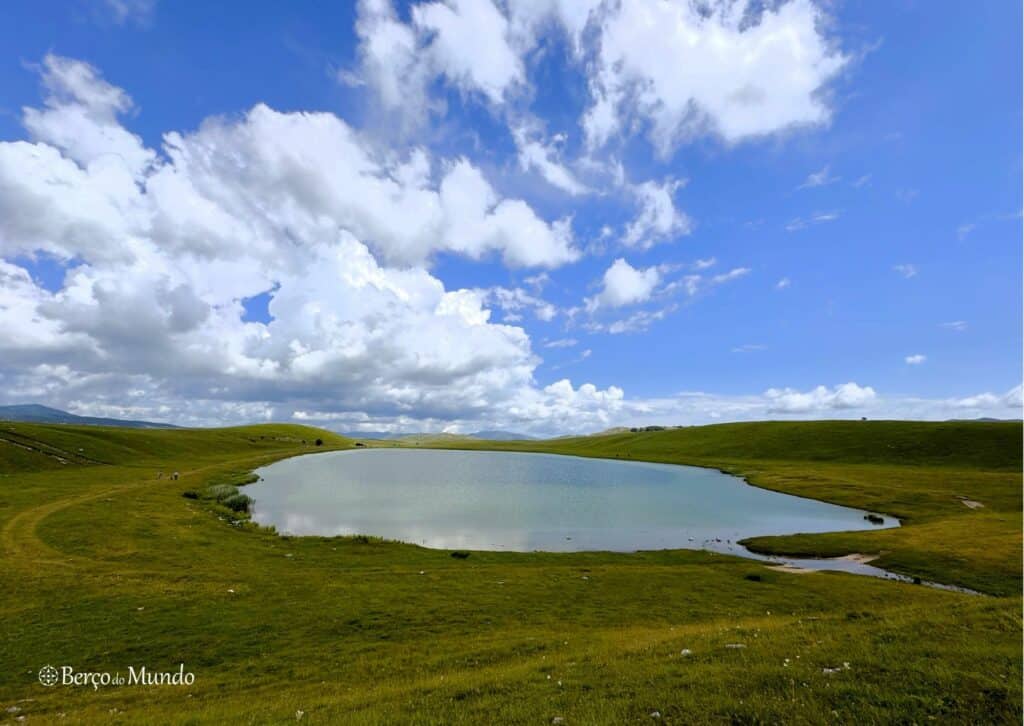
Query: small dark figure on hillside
{"type": "Point", "coordinates": [874, 519]}
{"type": "Point", "coordinates": [360, 443]}
{"type": "Point", "coordinates": [174, 476]}
{"type": "Point", "coordinates": [460, 555]}
{"type": "Point", "coordinates": [319, 442]}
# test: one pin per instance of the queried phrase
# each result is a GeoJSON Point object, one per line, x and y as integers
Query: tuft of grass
{"type": "Point", "coordinates": [220, 492]}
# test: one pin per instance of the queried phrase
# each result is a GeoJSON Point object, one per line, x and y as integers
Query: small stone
{"type": "Point", "coordinates": [13, 709]}
{"type": "Point", "coordinates": [655, 714]}
{"type": "Point", "coordinates": [735, 646]}
{"type": "Point", "coordinates": [685, 652]}
{"type": "Point", "coordinates": [557, 720]}
{"type": "Point", "coordinates": [299, 715]}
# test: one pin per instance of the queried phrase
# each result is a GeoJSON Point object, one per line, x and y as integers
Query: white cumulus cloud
{"type": "Point", "coordinates": [846, 395]}
{"type": "Point", "coordinates": [658, 219]}
{"type": "Point", "coordinates": [730, 69]}
{"type": "Point", "coordinates": [624, 284]}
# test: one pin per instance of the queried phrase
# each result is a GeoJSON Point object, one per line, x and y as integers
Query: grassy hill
{"type": "Point", "coordinates": [987, 445]}
{"type": "Point", "coordinates": [28, 447]}
{"type": "Point", "coordinates": [106, 566]}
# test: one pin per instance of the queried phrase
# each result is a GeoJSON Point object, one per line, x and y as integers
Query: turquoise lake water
{"type": "Point", "coordinates": [524, 502]}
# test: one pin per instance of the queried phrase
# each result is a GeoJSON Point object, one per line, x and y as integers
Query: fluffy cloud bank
{"type": "Point", "coordinates": [734, 70]}
{"type": "Point", "coordinates": [165, 253]}
{"type": "Point", "coordinates": [163, 249]}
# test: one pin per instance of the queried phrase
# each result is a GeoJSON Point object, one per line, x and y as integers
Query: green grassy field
{"type": "Point", "coordinates": [107, 566]}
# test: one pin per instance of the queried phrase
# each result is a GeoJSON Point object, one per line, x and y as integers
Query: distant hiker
{"type": "Point", "coordinates": [159, 475]}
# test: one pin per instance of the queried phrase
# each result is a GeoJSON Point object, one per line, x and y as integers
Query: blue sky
{"type": "Point", "coordinates": [591, 214]}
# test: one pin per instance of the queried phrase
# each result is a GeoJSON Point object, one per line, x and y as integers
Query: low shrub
{"type": "Point", "coordinates": [237, 502]}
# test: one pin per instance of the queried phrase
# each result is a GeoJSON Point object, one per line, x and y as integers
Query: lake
{"type": "Point", "coordinates": [522, 502]}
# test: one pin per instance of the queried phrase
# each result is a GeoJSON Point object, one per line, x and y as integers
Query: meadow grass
{"type": "Point", "coordinates": [106, 566]}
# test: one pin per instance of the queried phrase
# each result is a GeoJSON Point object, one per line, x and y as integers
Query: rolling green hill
{"type": "Point", "coordinates": [29, 447]}
{"type": "Point", "coordinates": [987, 445]}
{"type": "Point", "coordinates": [107, 565]}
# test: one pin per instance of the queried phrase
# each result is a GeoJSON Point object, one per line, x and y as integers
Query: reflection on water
{"type": "Point", "coordinates": [523, 502]}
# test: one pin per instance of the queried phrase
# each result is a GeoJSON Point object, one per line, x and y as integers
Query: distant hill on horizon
{"type": "Point", "coordinates": [371, 435]}
{"type": "Point", "coordinates": [499, 435]}
{"type": "Point", "coordinates": [36, 413]}
{"type": "Point", "coordinates": [490, 435]}
{"type": "Point", "coordinates": [986, 419]}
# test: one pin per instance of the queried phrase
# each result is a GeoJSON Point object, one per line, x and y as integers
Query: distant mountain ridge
{"type": "Point", "coordinates": [490, 435]}
{"type": "Point", "coordinates": [35, 413]}
{"type": "Point", "coordinates": [498, 435]}
{"type": "Point", "coordinates": [370, 435]}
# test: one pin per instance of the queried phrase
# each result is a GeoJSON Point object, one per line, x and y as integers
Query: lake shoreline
{"type": "Point", "coordinates": [851, 563]}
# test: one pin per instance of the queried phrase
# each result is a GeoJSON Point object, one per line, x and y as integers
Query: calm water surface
{"type": "Point", "coordinates": [523, 502]}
